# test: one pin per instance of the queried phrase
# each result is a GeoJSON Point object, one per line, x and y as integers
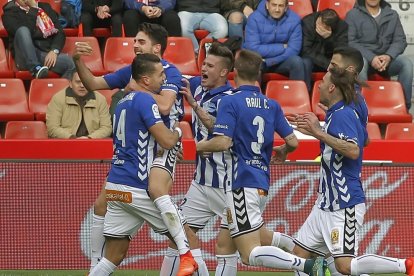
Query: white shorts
{"type": "Point", "coordinates": [201, 203]}
{"type": "Point", "coordinates": [166, 159]}
{"type": "Point", "coordinates": [332, 232]}
{"type": "Point", "coordinates": [244, 211]}
{"type": "Point", "coordinates": [128, 209]}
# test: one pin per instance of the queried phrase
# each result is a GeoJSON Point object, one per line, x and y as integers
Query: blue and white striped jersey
{"type": "Point", "coordinates": [133, 143]}
{"type": "Point", "coordinates": [212, 171]}
{"type": "Point", "coordinates": [340, 182]}
{"type": "Point", "coordinates": [251, 119]}
{"type": "Point", "coordinates": [121, 77]}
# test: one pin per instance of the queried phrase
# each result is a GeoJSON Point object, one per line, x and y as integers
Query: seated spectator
{"type": "Point", "coordinates": [102, 14]}
{"type": "Point", "coordinates": [236, 12]}
{"type": "Point", "coordinates": [36, 38]}
{"type": "Point", "coordinates": [204, 15]}
{"type": "Point", "coordinates": [322, 32]}
{"type": "Point", "coordinates": [75, 112]}
{"type": "Point", "coordinates": [275, 32]}
{"type": "Point", "coordinates": [154, 11]}
{"type": "Point", "coordinates": [376, 31]}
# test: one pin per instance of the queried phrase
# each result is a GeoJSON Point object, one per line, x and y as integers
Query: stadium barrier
{"type": "Point", "coordinates": [46, 212]}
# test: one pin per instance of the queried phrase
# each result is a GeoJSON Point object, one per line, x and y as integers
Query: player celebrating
{"type": "Point", "coordinates": [333, 224]}
{"type": "Point", "coordinates": [245, 125]}
{"type": "Point", "coordinates": [151, 38]}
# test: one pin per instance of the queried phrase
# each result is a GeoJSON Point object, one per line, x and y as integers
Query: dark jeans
{"type": "Point", "coordinates": [27, 56]}
{"type": "Point", "coordinates": [169, 20]}
{"type": "Point", "coordinates": [295, 68]}
{"type": "Point", "coordinates": [90, 21]}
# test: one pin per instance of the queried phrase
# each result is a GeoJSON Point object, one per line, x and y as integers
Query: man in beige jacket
{"type": "Point", "coordinates": [75, 112]}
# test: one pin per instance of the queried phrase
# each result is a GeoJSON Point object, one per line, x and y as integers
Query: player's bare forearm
{"type": "Point", "coordinates": [207, 120]}
{"type": "Point", "coordinates": [165, 100]}
{"type": "Point", "coordinates": [345, 148]}
{"type": "Point", "coordinates": [216, 144]}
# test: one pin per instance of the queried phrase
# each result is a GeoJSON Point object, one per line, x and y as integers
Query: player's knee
{"type": "Point", "coordinates": [99, 207]}
{"type": "Point", "coordinates": [343, 268]}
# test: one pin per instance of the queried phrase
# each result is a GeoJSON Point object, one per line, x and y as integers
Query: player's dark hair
{"type": "Point", "coordinates": [351, 56]}
{"type": "Point", "coordinates": [218, 50]}
{"type": "Point", "coordinates": [156, 33]}
{"type": "Point", "coordinates": [144, 65]}
{"type": "Point", "coordinates": [329, 17]}
{"type": "Point", "coordinates": [344, 81]}
{"type": "Point", "coordinates": [248, 65]}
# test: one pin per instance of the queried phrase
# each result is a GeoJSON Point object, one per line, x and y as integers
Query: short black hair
{"type": "Point", "coordinates": [351, 56]}
{"type": "Point", "coordinates": [156, 33]}
{"type": "Point", "coordinates": [329, 17]}
{"type": "Point", "coordinates": [143, 64]}
{"type": "Point", "coordinates": [219, 50]}
{"type": "Point", "coordinates": [248, 65]}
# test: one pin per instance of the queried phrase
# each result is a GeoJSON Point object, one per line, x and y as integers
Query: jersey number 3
{"type": "Point", "coordinates": [256, 146]}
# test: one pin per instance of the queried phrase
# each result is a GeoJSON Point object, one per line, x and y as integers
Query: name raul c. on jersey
{"type": "Point", "coordinates": [257, 103]}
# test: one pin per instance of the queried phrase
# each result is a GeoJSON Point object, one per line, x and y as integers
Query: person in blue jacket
{"type": "Point", "coordinates": [275, 32]}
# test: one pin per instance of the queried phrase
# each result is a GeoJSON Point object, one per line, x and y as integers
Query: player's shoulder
{"type": "Point", "coordinates": [170, 69]}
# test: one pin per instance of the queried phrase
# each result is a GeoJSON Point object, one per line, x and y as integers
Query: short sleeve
{"type": "Point", "coordinates": [226, 118]}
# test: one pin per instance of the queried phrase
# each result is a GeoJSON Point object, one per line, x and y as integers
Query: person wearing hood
{"type": "Point", "coordinates": [275, 32]}
{"type": "Point", "coordinates": [376, 31]}
{"type": "Point", "coordinates": [76, 113]}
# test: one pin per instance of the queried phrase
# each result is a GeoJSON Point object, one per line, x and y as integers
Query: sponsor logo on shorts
{"type": "Point", "coordinates": [229, 216]}
{"type": "Point", "coordinates": [335, 236]}
{"type": "Point", "coordinates": [113, 195]}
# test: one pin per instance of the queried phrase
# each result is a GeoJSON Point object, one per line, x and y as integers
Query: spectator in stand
{"type": "Point", "coordinates": [201, 15]}
{"type": "Point", "coordinates": [36, 38]}
{"type": "Point", "coordinates": [322, 32]}
{"type": "Point", "coordinates": [102, 14]}
{"type": "Point", "coordinates": [376, 31]}
{"type": "Point", "coordinates": [75, 112]}
{"type": "Point", "coordinates": [153, 11]}
{"type": "Point", "coordinates": [275, 32]}
{"type": "Point", "coordinates": [236, 12]}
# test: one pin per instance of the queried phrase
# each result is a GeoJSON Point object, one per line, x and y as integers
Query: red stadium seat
{"type": "Point", "coordinates": [233, 83]}
{"type": "Point", "coordinates": [399, 131]}
{"type": "Point", "coordinates": [292, 95]}
{"type": "Point", "coordinates": [374, 131]}
{"type": "Point", "coordinates": [340, 6]}
{"type": "Point", "coordinates": [385, 101]}
{"type": "Point", "coordinates": [108, 94]}
{"type": "Point", "coordinates": [3, 32]}
{"type": "Point", "coordinates": [25, 130]}
{"type": "Point", "coordinates": [180, 52]}
{"type": "Point", "coordinates": [13, 101]}
{"type": "Point", "coordinates": [119, 52]}
{"type": "Point", "coordinates": [94, 61]}
{"type": "Point", "coordinates": [315, 100]}
{"type": "Point", "coordinates": [202, 50]}
{"type": "Point", "coordinates": [266, 77]}
{"type": "Point", "coordinates": [188, 112]}
{"type": "Point", "coordinates": [378, 77]}
{"type": "Point", "coordinates": [40, 93]}
{"type": "Point", "coordinates": [318, 75]}
{"type": "Point", "coordinates": [5, 71]}
{"type": "Point", "coordinates": [200, 34]}
{"type": "Point", "coordinates": [186, 128]}
{"type": "Point", "coordinates": [301, 7]}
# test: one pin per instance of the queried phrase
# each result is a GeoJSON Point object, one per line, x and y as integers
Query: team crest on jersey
{"type": "Point", "coordinates": [155, 111]}
{"type": "Point", "coordinates": [229, 216]}
{"type": "Point", "coordinates": [335, 236]}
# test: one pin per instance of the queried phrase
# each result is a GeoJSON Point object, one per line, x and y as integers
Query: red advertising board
{"type": "Point", "coordinates": [46, 212]}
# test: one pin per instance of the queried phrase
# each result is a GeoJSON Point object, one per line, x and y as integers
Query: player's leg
{"type": "Point", "coordinates": [226, 254]}
{"type": "Point", "coordinates": [116, 250]}
{"type": "Point", "coordinates": [160, 182]}
{"type": "Point", "coordinates": [245, 220]}
{"type": "Point", "coordinates": [97, 237]}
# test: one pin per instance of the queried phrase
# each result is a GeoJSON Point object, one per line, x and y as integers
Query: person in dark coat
{"type": "Point", "coordinates": [322, 32]}
{"type": "Point", "coordinates": [36, 38]}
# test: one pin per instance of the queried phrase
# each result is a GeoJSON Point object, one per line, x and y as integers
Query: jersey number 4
{"type": "Point", "coordinates": [120, 127]}
{"type": "Point", "coordinates": [256, 146]}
